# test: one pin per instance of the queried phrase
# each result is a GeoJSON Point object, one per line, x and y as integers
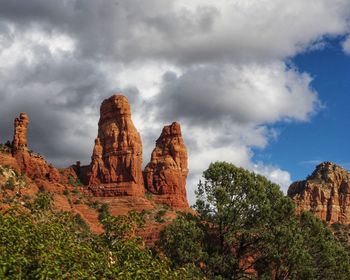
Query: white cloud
{"type": "Point", "coordinates": [274, 174]}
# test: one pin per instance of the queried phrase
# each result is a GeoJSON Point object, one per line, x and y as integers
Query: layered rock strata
{"type": "Point", "coordinates": [326, 193]}
{"type": "Point", "coordinates": [165, 175]}
{"type": "Point", "coordinates": [116, 161]}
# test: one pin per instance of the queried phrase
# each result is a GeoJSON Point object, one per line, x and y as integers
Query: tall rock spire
{"type": "Point", "coordinates": [30, 163]}
{"type": "Point", "coordinates": [116, 161]}
{"type": "Point", "coordinates": [166, 173]}
{"type": "Point", "coordinates": [20, 133]}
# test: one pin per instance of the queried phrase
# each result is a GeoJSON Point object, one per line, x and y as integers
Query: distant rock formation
{"type": "Point", "coordinates": [326, 193]}
{"type": "Point", "coordinates": [166, 173]}
{"type": "Point", "coordinates": [116, 162]}
{"type": "Point", "coordinates": [30, 163]}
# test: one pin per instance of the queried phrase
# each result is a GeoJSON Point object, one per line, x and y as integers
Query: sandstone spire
{"type": "Point", "coordinates": [166, 173]}
{"type": "Point", "coordinates": [30, 163]}
{"type": "Point", "coordinates": [117, 155]}
{"type": "Point", "coordinates": [20, 133]}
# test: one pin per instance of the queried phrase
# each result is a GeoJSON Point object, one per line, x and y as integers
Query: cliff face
{"type": "Point", "coordinates": [326, 193]}
{"type": "Point", "coordinates": [166, 173]}
{"type": "Point", "coordinates": [116, 161]}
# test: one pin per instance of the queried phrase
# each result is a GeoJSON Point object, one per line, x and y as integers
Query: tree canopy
{"type": "Point", "coordinates": [38, 243]}
{"type": "Point", "coordinates": [246, 229]}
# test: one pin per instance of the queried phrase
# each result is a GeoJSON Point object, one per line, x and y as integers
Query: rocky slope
{"type": "Point", "coordinates": [326, 193]}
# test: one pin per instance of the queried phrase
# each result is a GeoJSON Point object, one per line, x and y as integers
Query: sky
{"type": "Point", "coordinates": [263, 84]}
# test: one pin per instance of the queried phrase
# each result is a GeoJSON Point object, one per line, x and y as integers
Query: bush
{"type": "Point", "coordinates": [10, 184]}
{"type": "Point", "coordinates": [43, 201]}
{"type": "Point", "coordinates": [74, 182]}
{"type": "Point", "coordinates": [159, 216]}
{"type": "Point", "coordinates": [103, 212]}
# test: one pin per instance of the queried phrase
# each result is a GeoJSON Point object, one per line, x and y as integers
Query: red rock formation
{"type": "Point", "coordinates": [20, 134]}
{"type": "Point", "coordinates": [166, 173]}
{"type": "Point", "coordinates": [326, 193]}
{"type": "Point", "coordinates": [116, 160]}
{"type": "Point", "coordinates": [30, 163]}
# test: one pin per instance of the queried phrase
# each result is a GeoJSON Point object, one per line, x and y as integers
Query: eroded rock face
{"type": "Point", "coordinates": [326, 193]}
{"type": "Point", "coordinates": [166, 173]}
{"type": "Point", "coordinates": [30, 163]}
{"type": "Point", "coordinates": [116, 160]}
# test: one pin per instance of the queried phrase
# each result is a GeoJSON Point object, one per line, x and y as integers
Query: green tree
{"type": "Point", "coordinates": [183, 240]}
{"type": "Point", "coordinates": [329, 259]}
{"type": "Point", "coordinates": [246, 228]}
{"type": "Point", "coordinates": [248, 215]}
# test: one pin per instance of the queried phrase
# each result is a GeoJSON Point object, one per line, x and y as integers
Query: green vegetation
{"type": "Point", "coordinates": [38, 243]}
{"type": "Point", "coordinates": [342, 234]}
{"type": "Point", "coordinates": [247, 229]}
{"type": "Point", "coordinates": [13, 179]}
{"type": "Point", "coordinates": [148, 195]}
{"type": "Point", "coordinates": [159, 217]}
{"type": "Point", "coordinates": [5, 148]}
{"type": "Point", "coordinates": [75, 183]}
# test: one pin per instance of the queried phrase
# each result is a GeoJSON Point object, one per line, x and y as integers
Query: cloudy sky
{"type": "Point", "coordinates": [260, 83]}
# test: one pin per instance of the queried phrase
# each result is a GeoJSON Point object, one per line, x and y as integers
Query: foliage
{"type": "Point", "coordinates": [329, 259]}
{"type": "Point", "coordinates": [13, 179]}
{"type": "Point", "coordinates": [10, 184]}
{"type": "Point", "coordinates": [184, 240]}
{"type": "Point", "coordinates": [5, 148]}
{"type": "Point", "coordinates": [148, 194]}
{"type": "Point", "coordinates": [37, 243]}
{"type": "Point", "coordinates": [103, 212]}
{"type": "Point", "coordinates": [43, 201]}
{"type": "Point", "coordinates": [342, 234]}
{"type": "Point", "coordinates": [74, 182]}
{"type": "Point", "coordinates": [159, 217]}
{"type": "Point", "coordinates": [246, 229]}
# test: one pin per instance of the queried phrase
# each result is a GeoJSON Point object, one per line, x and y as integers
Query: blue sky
{"type": "Point", "coordinates": [325, 137]}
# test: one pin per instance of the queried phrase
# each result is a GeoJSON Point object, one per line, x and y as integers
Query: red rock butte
{"type": "Point", "coordinates": [326, 193]}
